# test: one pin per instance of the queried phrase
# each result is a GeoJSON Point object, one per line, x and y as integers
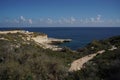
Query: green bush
{"type": "Point", "coordinates": [103, 67]}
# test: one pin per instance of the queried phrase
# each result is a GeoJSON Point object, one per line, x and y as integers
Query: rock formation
{"type": "Point", "coordinates": [40, 39]}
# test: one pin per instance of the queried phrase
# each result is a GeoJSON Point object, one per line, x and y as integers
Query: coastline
{"type": "Point", "coordinates": [80, 36]}
{"type": "Point", "coordinates": [40, 53]}
{"type": "Point", "coordinates": [41, 39]}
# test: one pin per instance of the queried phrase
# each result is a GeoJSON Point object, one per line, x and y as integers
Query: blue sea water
{"type": "Point", "coordinates": [80, 35]}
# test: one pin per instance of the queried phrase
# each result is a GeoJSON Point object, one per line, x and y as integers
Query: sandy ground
{"type": "Point", "coordinates": [78, 64]}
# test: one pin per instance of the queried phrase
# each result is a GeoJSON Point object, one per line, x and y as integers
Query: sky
{"type": "Point", "coordinates": [59, 13]}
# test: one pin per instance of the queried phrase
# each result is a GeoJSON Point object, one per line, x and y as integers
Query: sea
{"type": "Point", "coordinates": [80, 36]}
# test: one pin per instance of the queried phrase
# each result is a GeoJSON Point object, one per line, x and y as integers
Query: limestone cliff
{"type": "Point", "coordinates": [39, 38]}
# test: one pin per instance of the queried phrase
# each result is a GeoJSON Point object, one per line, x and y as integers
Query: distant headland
{"type": "Point", "coordinates": [41, 39]}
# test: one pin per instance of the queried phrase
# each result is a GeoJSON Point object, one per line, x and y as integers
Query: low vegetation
{"type": "Point", "coordinates": [37, 34]}
{"type": "Point", "coordinates": [103, 67]}
{"type": "Point", "coordinates": [24, 60]}
{"type": "Point", "coordinates": [97, 45]}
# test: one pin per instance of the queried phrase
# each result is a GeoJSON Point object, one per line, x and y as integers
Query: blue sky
{"type": "Point", "coordinates": [59, 13]}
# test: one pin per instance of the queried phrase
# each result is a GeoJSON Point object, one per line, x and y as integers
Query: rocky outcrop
{"type": "Point", "coordinates": [40, 38]}
{"type": "Point", "coordinates": [50, 43]}
{"type": "Point", "coordinates": [58, 41]}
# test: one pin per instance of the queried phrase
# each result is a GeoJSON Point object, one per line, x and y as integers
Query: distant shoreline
{"type": "Point", "coordinates": [80, 35]}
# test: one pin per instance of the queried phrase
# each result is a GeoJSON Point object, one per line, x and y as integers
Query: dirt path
{"type": "Point", "coordinates": [78, 64]}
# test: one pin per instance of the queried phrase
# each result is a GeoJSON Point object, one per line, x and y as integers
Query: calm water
{"type": "Point", "coordinates": [80, 35]}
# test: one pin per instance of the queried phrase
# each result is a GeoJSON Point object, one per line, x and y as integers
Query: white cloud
{"type": "Point", "coordinates": [60, 21]}
{"type": "Point", "coordinates": [86, 21]}
{"type": "Point", "coordinates": [30, 21]}
{"type": "Point", "coordinates": [69, 21]}
{"type": "Point", "coordinates": [118, 20]}
{"type": "Point", "coordinates": [65, 20]}
{"type": "Point", "coordinates": [98, 18]}
{"type": "Point", "coordinates": [81, 20]}
{"type": "Point", "coordinates": [16, 21]}
{"type": "Point", "coordinates": [49, 21]}
{"type": "Point", "coordinates": [22, 18]}
{"type": "Point", "coordinates": [41, 20]}
{"type": "Point", "coordinates": [72, 19]}
{"type": "Point", "coordinates": [92, 19]}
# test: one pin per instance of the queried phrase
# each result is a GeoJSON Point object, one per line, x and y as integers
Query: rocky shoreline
{"type": "Point", "coordinates": [41, 39]}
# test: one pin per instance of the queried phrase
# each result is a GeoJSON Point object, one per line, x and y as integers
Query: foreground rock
{"type": "Point", "coordinates": [40, 38]}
